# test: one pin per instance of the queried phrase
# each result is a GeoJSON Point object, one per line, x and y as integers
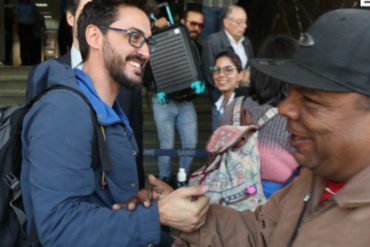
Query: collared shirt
{"type": "Point", "coordinates": [219, 3]}
{"type": "Point", "coordinates": [220, 103]}
{"type": "Point", "coordinates": [76, 58]}
{"type": "Point", "coordinates": [106, 115]}
{"type": "Point", "coordinates": [238, 48]}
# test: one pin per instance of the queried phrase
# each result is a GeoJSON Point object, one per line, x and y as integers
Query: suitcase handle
{"type": "Point", "coordinates": [168, 10]}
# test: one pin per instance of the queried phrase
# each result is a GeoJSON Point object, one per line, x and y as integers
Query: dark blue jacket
{"type": "Point", "coordinates": [61, 191]}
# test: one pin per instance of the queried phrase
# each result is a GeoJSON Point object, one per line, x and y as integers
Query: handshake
{"type": "Point", "coordinates": [184, 209]}
{"type": "Point", "coordinates": [197, 86]}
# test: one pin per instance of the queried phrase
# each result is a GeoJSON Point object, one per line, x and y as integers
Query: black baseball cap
{"type": "Point", "coordinates": [333, 55]}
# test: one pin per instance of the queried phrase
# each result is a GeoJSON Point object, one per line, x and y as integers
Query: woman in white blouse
{"type": "Point", "coordinates": [227, 73]}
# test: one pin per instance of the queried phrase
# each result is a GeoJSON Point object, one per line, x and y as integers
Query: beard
{"type": "Point", "coordinates": [115, 65]}
{"type": "Point", "coordinates": [194, 35]}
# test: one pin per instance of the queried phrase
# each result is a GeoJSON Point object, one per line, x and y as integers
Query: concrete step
{"type": "Point", "coordinates": [12, 92]}
{"type": "Point", "coordinates": [12, 73]}
{"type": "Point", "coordinates": [11, 100]}
{"type": "Point", "coordinates": [17, 85]}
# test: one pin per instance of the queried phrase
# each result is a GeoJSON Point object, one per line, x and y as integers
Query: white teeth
{"type": "Point", "coordinates": [137, 65]}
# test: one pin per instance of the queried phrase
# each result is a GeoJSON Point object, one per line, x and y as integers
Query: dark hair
{"type": "Point", "coordinates": [72, 6]}
{"type": "Point", "coordinates": [192, 8]}
{"type": "Point", "coordinates": [100, 12]}
{"type": "Point", "coordinates": [232, 56]}
{"type": "Point", "coordinates": [263, 88]}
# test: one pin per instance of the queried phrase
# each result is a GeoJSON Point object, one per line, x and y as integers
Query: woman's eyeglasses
{"type": "Point", "coordinates": [135, 37]}
{"type": "Point", "coordinates": [227, 70]}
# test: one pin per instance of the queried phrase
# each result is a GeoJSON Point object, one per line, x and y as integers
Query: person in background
{"type": "Point", "coordinates": [277, 162]}
{"type": "Point", "coordinates": [26, 16]}
{"type": "Point", "coordinates": [231, 37]}
{"type": "Point", "coordinates": [227, 73]}
{"type": "Point", "coordinates": [64, 30]}
{"type": "Point", "coordinates": [193, 19]}
{"type": "Point", "coordinates": [72, 58]}
{"type": "Point", "coordinates": [214, 12]}
{"type": "Point", "coordinates": [178, 112]}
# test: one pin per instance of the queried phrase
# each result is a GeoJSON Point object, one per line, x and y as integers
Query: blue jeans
{"type": "Point", "coordinates": [212, 20]}
{"type": "Point", "coordinates": [182, 115]}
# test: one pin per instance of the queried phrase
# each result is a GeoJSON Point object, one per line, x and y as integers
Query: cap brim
{"type": "Point", "coordinates": [290, 72]}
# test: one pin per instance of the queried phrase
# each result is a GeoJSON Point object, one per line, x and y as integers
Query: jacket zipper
{"type": "Point", "coordinates": [306, 199]}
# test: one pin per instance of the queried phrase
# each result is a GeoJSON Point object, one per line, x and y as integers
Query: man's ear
{"type": "Point", "coordinates": [225, 22]}
{"type": "Point", "coordinates": [94, 37]}
{"type": "Point", "coordinates": [182, 21]}
{"type": "Point", "coordinates": [70, 18]}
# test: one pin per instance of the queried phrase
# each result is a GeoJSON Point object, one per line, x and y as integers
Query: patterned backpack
{"type": "Point", "coordinates": [233, 172]}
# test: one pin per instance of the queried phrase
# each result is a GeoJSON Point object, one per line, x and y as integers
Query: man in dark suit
{"type": "Point", "coordinates": [230, 37]}
{"type": "Point", "coordinates": [129, 100]}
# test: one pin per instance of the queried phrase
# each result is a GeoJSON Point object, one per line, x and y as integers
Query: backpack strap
{"type": "Point", "coordinates": [237, 111]}
{"type": "Point", "coordinates": [98, 136]}
{"type": "Point", "coordinates": [267, 116]}
{"type": "Point", "coordinates": [240, 115]}
{"type": "Point", "coordinates": [15, 186]}
{"type": "Point", "coordinates": [98, 144]}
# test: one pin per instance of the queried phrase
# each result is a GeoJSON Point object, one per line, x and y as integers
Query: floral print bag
{"type": "Point", "coordinates": [233, 172]}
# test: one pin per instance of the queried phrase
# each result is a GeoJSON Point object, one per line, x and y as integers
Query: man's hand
{"type": "Point", "coordinates": [158, 190]}
{"type": "Point", "coordinates": [184, 209]}
{"type": "Point", "coordinates": [161, 23]}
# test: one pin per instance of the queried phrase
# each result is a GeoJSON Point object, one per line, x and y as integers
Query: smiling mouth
{"type": "Point", "coordinates": [136, 61]}
{"type": "Point", "coordinates": [297, 141]}
{"type": "Point", "coordinates": [135, 64]}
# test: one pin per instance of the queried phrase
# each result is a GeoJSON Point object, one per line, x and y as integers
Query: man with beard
{"type": "Point", "coordinates": [194, 21]}
{"type": "Point", "coordinates": [328, 112]}
{"type": "Point", "coordinates": [179, 111]}
{"type": "Point", "coordinates": [129, 100]}
{"type": "Point", "coordinates": [69, 202]}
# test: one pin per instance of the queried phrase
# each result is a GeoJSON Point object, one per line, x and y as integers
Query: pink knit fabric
{"type": "Point", "coordinates": [277, 164]}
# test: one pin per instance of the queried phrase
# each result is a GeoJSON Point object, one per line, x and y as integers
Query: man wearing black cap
{"type": "Point", "coordinates": [328, 111]}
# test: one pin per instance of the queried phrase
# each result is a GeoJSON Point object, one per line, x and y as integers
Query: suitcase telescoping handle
{"type": "Point", "coordinates": [168, 11]}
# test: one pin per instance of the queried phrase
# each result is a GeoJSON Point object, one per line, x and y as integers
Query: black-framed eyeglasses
{"type": "Point", "coordinates": [227, 70]}
{"type": "Point", "coordinates": [135, 37]}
